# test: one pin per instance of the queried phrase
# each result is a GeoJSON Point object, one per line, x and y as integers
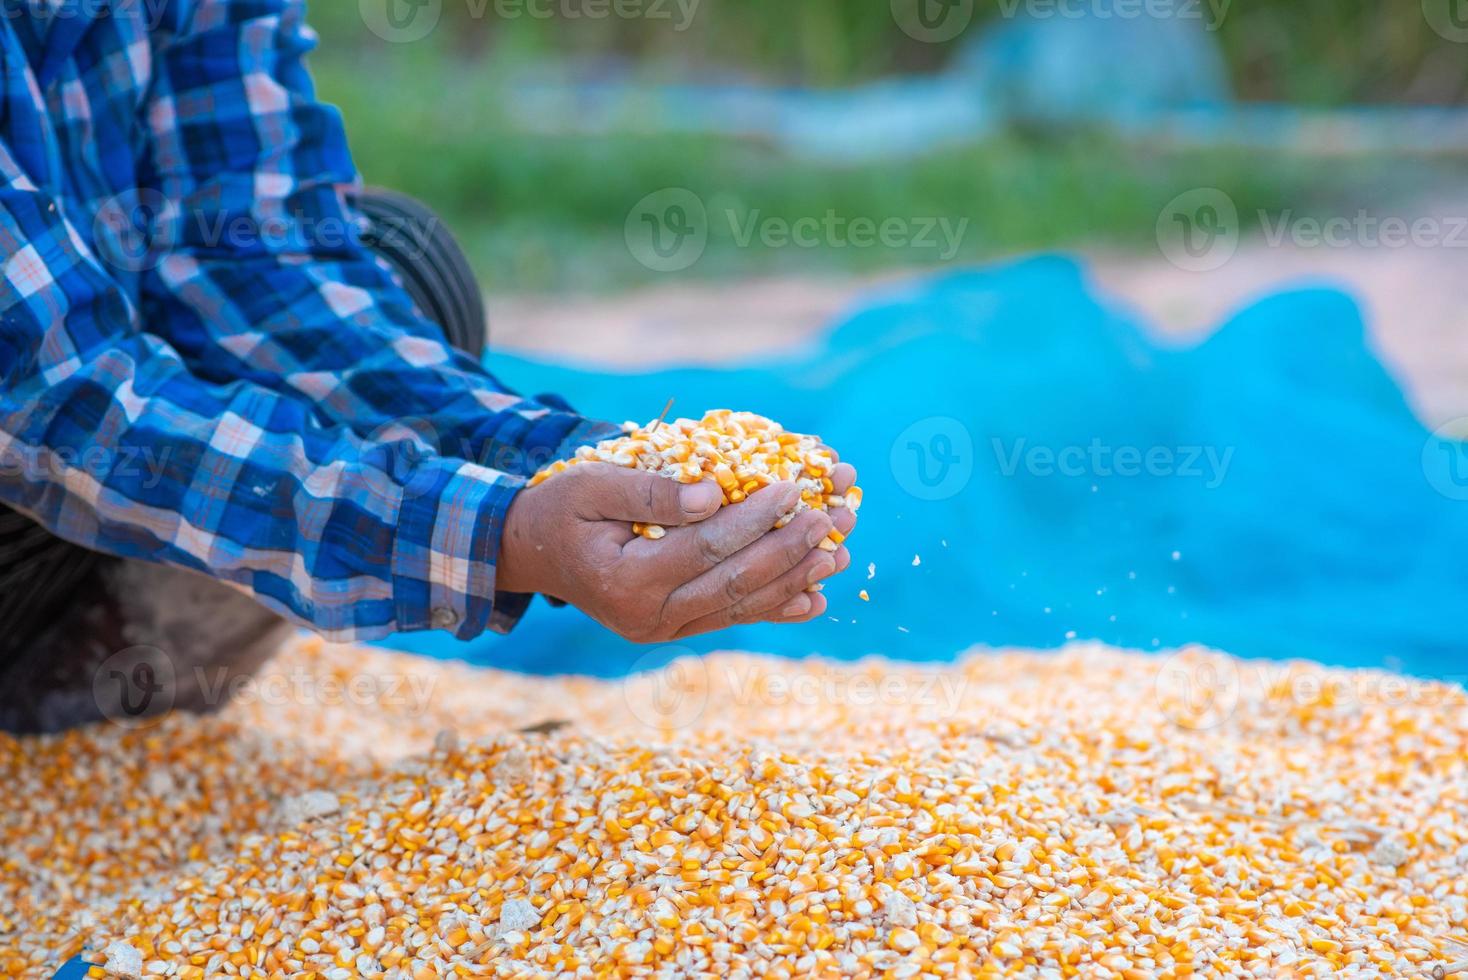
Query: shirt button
{"type": "Point", "coordinates": [444, 618]}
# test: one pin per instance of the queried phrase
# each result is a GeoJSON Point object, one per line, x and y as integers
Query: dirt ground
{"type": "Point", "coordinates": [1415, 301]}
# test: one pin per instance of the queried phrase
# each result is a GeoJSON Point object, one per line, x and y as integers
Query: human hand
{"type": "Point", "coordinates": [843, 478]}
{"type": "Point", "coordinates": [571, 537]}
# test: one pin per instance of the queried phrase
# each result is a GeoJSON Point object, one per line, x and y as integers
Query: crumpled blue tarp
{"type": "Point", "coordinates": [1062, 473]}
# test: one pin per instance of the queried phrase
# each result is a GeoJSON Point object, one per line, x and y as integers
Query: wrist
{"type": "Point", "coordinates": [523, 565]}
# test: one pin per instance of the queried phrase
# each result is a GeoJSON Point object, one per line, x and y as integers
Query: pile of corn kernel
{"type": "Point", "coordinates": [1013, 814]}
{"type": "Point", "coordinates": [741, 451]}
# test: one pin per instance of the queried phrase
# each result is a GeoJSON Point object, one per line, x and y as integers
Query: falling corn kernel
{"type": "Point", "coordinates": [864, 596]}
{"type": "Point", "coordinates": [741, 452]}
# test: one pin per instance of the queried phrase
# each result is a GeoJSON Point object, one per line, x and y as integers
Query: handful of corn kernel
{"type": "Point", "coordinates": [740, 451]}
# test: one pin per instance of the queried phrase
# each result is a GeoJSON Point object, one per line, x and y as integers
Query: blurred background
{"type": "Point", "coordinates": [676, 184]}
{"type": "Point", "coordinates": [537, 126]}
{"type": "Point", "coordinates": [1047, 124]}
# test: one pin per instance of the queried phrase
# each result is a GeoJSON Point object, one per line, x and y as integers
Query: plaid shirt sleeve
{"type": "Point", "coordinates": [200, 425]}
{"type": "Point", "coordinates": [259, 272]}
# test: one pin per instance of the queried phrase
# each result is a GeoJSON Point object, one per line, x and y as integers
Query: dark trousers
{"type": "Point", "coordinates": [86, 637]}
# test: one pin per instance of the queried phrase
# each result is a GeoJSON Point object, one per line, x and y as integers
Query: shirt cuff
{"type": "Point", "coordinates": [447, 548]}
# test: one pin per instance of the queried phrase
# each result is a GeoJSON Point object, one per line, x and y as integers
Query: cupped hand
{"type": "Point", "coordinates": [571, 537]}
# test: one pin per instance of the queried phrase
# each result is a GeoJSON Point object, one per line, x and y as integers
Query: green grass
{"type": "Point", "coordinates": [541, 213]}
{"type": "Point", "coordinates": [1316, 51]}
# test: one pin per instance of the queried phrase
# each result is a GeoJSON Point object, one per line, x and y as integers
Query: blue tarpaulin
{"type": "Point", "coordinates": [1062, 473]}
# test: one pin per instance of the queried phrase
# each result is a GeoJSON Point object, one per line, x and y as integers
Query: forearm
{"type": "Point", "coordinates": [133, 456]}
{"type": "Point", "coordinates": [369, 365]}
{"type": "Point", "coordinates": [260, 273]}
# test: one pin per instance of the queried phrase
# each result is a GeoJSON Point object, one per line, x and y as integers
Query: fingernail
{"type": "Point", "coordinates": [799, 607]}
{"type": "Point", "coordinates": [699, 498]}
{"type": "Point", "coordinates": [822, 569]}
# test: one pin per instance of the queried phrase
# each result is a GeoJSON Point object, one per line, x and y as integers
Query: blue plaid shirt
{"type": "Point", "coordinates": [201, 363]}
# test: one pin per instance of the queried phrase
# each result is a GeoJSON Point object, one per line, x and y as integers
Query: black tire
{"type": "Point", "coordinates": [38, 577]}
{"type": "Point", "coordinates": [429, 260]}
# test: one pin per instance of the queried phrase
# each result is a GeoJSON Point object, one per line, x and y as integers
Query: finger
{"type": "Point", "coordinates": [783, 601]}
{"type": "Point", "coordinates": [616, 493]}
{"type": "Point", "coordinates": [728, 592]}
{"type": "Point", "coordinates": [685, 553]}
{"type": "Point", "coordinates": [836, 463]}
{"type": "Point", "coordinates": [843, 518]}
{"type": "Point", "coordinates": [843, 477]}
{"type": "Point", "coordinates": [798, 610]}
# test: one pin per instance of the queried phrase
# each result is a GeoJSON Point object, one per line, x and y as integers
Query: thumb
{"type": "Point", "coordinates": [621, 494]}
